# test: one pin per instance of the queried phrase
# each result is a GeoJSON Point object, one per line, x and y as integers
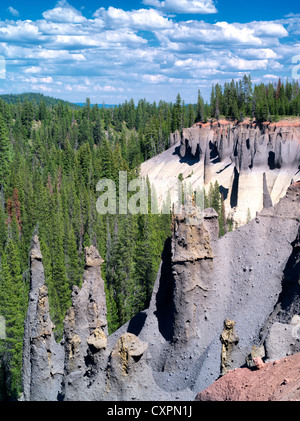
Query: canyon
{"type": "Point", "coordinates": [218, 304]}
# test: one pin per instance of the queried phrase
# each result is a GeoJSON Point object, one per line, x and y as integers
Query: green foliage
{"type": "Point", "coordinates": [52, 155]}
{"type": "Point", "coordinates": [5, 151]}
{"type": "Point", "coordinates": [13, 300]}
{"type": "Point", "coordinates": [36, 98]}
{"type": "Point", "coordinates": [236, 100]}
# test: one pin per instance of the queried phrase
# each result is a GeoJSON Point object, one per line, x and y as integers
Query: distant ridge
{"type": "Point", "coordinates": [35, 97]}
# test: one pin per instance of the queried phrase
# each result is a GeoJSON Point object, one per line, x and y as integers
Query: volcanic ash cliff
{"type": "Point", "coordinates": [246, 159]}
{"type": "Point", "coordinates": [215, 301]}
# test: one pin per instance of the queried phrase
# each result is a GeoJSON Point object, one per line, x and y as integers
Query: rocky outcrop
{"type": "Point", "coordinates": [248, 145]}
{"type": "Point", "coordinates": [42, 356]}
{"type": "Point", "coordinates": [85, 330]}
{"type": "Point", "coordinates": [228, 339]}
{"type": "Point", "coordinates": [235, 155]}
{"type": "Point", "coordinates": [179, 346]}
{"type": "Point", "coordinates": [267, 201]}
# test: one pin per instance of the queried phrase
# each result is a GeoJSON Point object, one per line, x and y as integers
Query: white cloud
{"type": "Point", "coordinates": [20, 31]}
{"type": "Point", "coordinates": [270, 77]}
{"type": "Point", "coordinates": [184, 6]}
{"type": "Point", "coordinates": [117, 52]}
{"type": "Point", "coordinates": [269, 29]}
{"type": "Point", "coordinates": [197, 63]}
{"type": "Point", "coordinates": [33, 79]}
{"type": "Point", "coordinates": [42, 88]}
{"type": "Point", "coordinates": [240, 64]}
{"type": "Point", "coordinates": [33, 69]}
{"type": "Point", "coordinates": [13, 11]}
{"type": "Point", "coordinates": [59, 28]}
{"type": "Point", "coordinates": [155, 79]}
{"type": "Point", "coordinates": [238, 33]}
{"type": "Point", "coordinates": [221, 61]}
{"type": "Point", "coordinates": [106, 40]}
{"type": "Point", "coordinates": [199, 33]}
{"type": "Point", "coordinates": [142, 19]}
{"type": "Point", "coordinates": [257, 53]}
{"type": "Point", "coordinates": [38, 53]}
{"type": "Point", "coordinates": [64, 12]}
{"type": "Point", "coordinates": [293, 24]}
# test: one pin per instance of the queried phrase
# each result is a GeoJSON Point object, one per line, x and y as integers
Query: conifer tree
{"type": "Point", "coordinates": [73, 269]}
{"type": "Point", "coordinates": [200, 108]}
{"type": "Point", "coordinates": [177, 114]}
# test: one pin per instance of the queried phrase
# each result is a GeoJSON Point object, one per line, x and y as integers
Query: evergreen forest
{"type": "Point", "coordinates": [52, 155]}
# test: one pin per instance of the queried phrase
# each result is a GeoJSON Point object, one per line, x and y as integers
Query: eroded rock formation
{"type": "Point", "coordinates": [235, 155]}
{"type": "Point", "coordinates": [229, 339]}
{"type": "Point", "coordinates": [43, 358]}
{"type": "Point", "coordinates": [248, 145]}
{"type": "Point", "coordinates": [172, 350]}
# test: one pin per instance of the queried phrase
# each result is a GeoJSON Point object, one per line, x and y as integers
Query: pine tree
{"type": "Point", "coordinates": [177, 114]}
{"type": "Point", "coordinates": [200, 108]}
{"type": "Point", "coordinates": [214, 199]}
{"type": "Point", "coordinates": [248, 92]}
{"type": "Point", "coordinates": [73, 269]}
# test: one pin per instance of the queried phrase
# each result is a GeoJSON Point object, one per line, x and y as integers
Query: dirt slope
{"type": "Point", "coordinates": [274, 381]}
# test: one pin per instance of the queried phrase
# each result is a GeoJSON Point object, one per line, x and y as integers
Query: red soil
{"type": "Point", "coordinates": [272, 381]}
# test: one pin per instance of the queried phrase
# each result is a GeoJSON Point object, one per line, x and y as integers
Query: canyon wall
{"type": "Point", "coordinates": [214, 299]}
{"type": "Point", "coordinates": [235, 155]}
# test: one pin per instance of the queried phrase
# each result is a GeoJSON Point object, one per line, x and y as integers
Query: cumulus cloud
{"type": "Point", "coordinates": [201, 33]}
{"type": "Point", "coordinates": [20, 32]}
{"type": "Point", "coordinates": [270, 77]}
{"type": "Point", "coordinates": [155, 79]}
{"type": "Point", "coordinates": [33, 79]}
{"type": "Point", "coordinates": [294, 24]}
{"type": "Point", "coordinates": [106, 40]}
{"type": "Point", "coordinates": [119, 51]}
{"type": "Point", "coordinates": [241, 64]}
{"type": "Point", "coordinates": [257, 53]}
{"type": "Point", "coordinates": [269, 29]}
{"type": "Point", "coordinates": [142, 19]}
{"type": "Point", "coordinates": [200, 63]}
{"type": "Point", "coordinates": [184, 6]}
{"type": "Point", "coordinates": [60, 28]}
{"type": "Point", "coordinates": [38, 53]}
{"type": "Point", "coordinates": [64, 12]}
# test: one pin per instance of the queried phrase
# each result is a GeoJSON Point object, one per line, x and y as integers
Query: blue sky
{"type": "Point", "coordinates": [113, 50]}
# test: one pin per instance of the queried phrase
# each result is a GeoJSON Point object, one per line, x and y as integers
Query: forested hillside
{"type": "Point", "coordinates": [51, 161]}
{"type": "Point", "coordinates": [36, 98]}
{"type": "Point", "coordinates": [52, 156]}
